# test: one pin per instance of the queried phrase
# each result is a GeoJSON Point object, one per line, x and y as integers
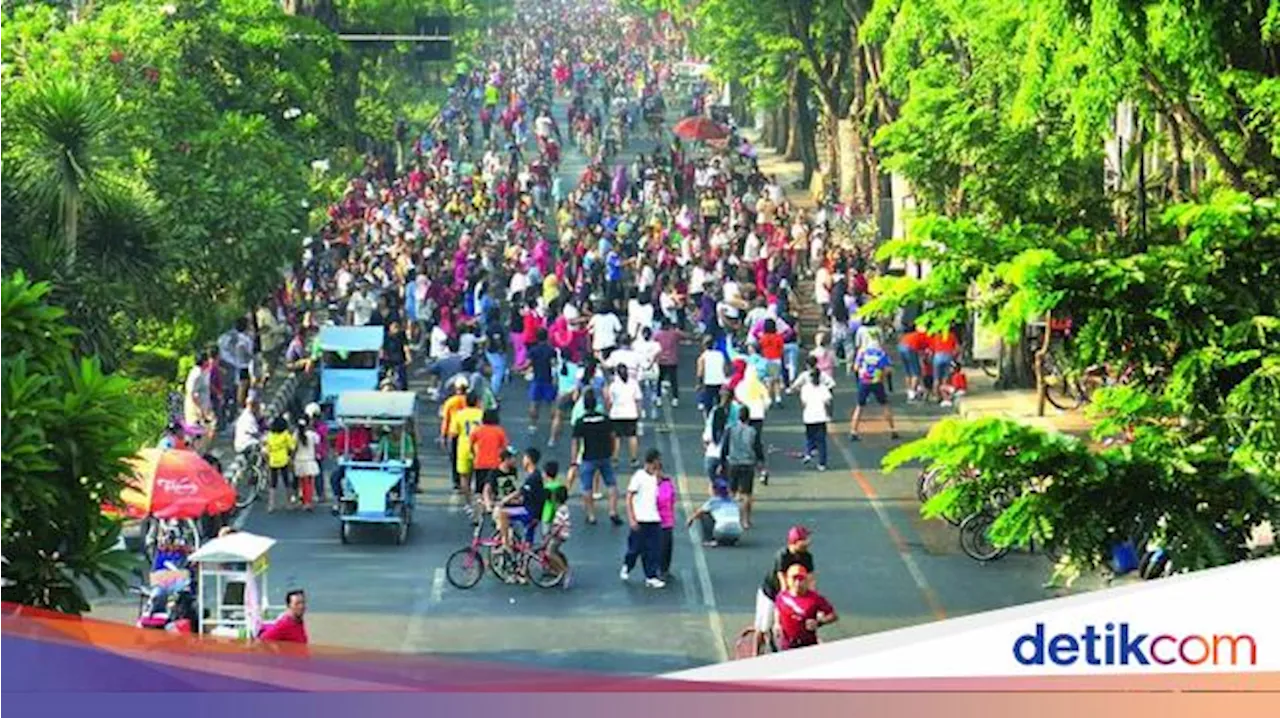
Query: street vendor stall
{"type": "Point", "coordinates": [234, 567]}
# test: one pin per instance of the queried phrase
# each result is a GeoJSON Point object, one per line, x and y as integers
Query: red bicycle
{"type": "Point", "coordinates": [466, 566]}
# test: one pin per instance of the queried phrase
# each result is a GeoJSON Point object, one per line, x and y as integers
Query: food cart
{"type": "Point", "coordinates": [234, 567]}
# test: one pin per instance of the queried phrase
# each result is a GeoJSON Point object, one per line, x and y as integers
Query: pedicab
{"type": "Point", "coordinates": [348, 362]}
{"type": "Point", "coordinates": [378, 487]}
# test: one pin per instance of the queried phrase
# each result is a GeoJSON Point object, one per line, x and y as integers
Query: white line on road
{"type": "Point", "coordinates": [437, 586]}
{"type": "Point", "coordinates": [415, 631]}
{"type": "Point", "coordinates": [699, 554]}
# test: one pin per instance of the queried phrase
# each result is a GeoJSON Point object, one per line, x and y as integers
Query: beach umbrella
{"type": "Point", "coordinates": [699, 128]}
{"type": "Point", "coordinates": [175, 484]}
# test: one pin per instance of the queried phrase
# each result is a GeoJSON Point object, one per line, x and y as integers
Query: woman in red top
{"type": "Point", "coordinates": [945, 348]}
{"type": "Point", "coordinates": [771, 347]}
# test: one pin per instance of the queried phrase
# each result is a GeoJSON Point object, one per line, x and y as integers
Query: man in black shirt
{"type": "Point", "coordinates": [593, 444]}
{"type": "Point", "coordinates": [395, 354]}
{"type": "Point", "coordinates": [795, 553]}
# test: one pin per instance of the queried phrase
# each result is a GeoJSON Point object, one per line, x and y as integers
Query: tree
{"type": "Point", "coordinates": [1003, 111]}
{"type": "Point", "coordinates": [66, 439]}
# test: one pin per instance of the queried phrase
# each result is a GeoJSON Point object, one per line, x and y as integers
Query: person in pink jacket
{"type": "Point", "coordinates": [667, 517]}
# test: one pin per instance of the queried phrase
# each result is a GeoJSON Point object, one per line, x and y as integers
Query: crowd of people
{"type": "Point", "coordinates": [488, 269]}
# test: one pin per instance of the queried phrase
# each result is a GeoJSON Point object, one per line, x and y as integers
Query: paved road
{"type": "Point", "coordinates": [880, 564]}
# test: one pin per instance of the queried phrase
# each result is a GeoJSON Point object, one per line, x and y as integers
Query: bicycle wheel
{"type": "Point", "coordinates": [926, 485]}
{"type": "Point", "coordinates": [1061, 388]}
{"type": "Point", "coordinates": [975, 539]}
{"type": "Point", "coordinates": [248, 485]}
{"type": "Point", "coordinates": [747, 644]}
{"type": "Point", "coordinates": [464, 568]}
{"type": "Point", "coordinates": [542, 573]}
{"type": "Point", "coordinates": [503, 562]}
{"type": "Point", "coordinates": [990, 367]}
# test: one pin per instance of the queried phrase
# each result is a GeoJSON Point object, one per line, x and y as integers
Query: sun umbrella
{"type": "Point", "coordinates": [175, 484]}
{"type": "Point", "coordinates": [700, 128]}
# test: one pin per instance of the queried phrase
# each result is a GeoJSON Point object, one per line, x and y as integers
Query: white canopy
{"type": "Point", "coordinates": [236, 547]}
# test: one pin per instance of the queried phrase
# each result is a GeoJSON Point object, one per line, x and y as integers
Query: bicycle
{"type": "Point", "coordinates": [250, 477]}
{"type": "Point", "coordinates": [465, 567]}
{"type": "Point", "coordinates": [930, 484]}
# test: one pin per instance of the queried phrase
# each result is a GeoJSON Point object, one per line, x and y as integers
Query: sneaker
{"type": "Point", "coordinates": [655, 583]}
{"type": "Point", "coordinates": [624, 574]}
{"type": "Point", "coordinates": [946, 404]}
{"type": "Point", "coordinates": [551, 443]}
{"type": "Point", "coordinates": [911, 395]}
{"type": "Point", "coordinates": [764, 478]}
{"type": "Point", "coordinates": [617, 521]}
{"type": "Point", "coordinates": [639, 429]}
{"type": "Point", "coordinates": [777, 400]}
{"type": "Point", "coordinates": [675, 403]}
{"type": "Point", "coordinates": [597, 496]}
{"type": "Point", "coordinates": [822, 467]}
{"type": "Point", "coordinates": [806, 459]}
{"type": "Point", "coordinates": [854, 437]}
{"type": "Point", "coordinates": [533, 429]}
{"type": "Point", "coordinates": [893, 434]}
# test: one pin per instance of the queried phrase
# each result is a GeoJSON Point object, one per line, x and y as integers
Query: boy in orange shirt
{"type": "Point", "coordinates": [487, 442]}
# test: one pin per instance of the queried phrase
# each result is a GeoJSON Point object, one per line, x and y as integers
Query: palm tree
{"type": "Point", "coordinates": [71, 218]}
{"type": "Point", "coordinates": [60, 126]}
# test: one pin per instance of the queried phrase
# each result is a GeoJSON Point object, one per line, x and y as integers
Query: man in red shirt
{"type": "Point", "coordinates": [289, 628]}
{"type": "Point", "coordinates": [801, 610]}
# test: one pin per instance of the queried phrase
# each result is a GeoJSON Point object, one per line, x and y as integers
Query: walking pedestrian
{"type": "Point", "coordinates": [815, 398]}
{"type": "Point", "coordinates": [645, 541]}
{"type": "Point", "coordinates": [873, 367]}
{"type": "Point", "coordinates": [740, 454]}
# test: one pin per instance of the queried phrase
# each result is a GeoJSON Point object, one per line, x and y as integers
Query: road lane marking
{"type": "Point", "coordinates": [699, 554]}
{"type": "Point", "coordinates": [904, 551]}
{"type": "Point", "coordinates": [437, 586]}
{"type": "Point", "coordinates": [423, 599]}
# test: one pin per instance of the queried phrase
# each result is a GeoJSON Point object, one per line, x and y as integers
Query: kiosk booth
{"type": "Point", "coordinates": [234, 567]}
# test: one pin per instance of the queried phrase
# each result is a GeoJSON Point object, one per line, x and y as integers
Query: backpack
{"type": "Point", "coordinates": [869, 366]}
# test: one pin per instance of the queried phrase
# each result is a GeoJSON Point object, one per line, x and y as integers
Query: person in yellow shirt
{"type": "Point", "coordinates": [456, 402]}
{"type": "Point", "coordinates": [463, 422]}
{"type": "Point", "coordinates": [280, 445]}
{"type": "Point", "coordinates": [550, 289]}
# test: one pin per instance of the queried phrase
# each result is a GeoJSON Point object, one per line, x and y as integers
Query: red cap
{"type": "Point", "coordinates": [797, 533]}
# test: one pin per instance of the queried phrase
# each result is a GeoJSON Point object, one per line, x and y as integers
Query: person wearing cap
{"type": "Point", "coordinates": [719, 519]}
{"type": "Point", "coordinates": [796, 552]}
{"type": "Point", "coordinates": [801, 610]}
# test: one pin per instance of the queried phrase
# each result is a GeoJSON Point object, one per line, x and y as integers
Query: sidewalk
{"type": "Point", "coordinates": [983, 400]}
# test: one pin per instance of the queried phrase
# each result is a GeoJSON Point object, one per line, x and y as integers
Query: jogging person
{"type": "Point", "coordinates": [801, 610]}
{"type": "Point", "coordinates": [796, 552]}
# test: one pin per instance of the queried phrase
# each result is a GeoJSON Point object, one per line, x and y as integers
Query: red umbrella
{"type": "Point", "coordinates": [700, 128]}
{"type": "Point", "coordinates": [175, 484]}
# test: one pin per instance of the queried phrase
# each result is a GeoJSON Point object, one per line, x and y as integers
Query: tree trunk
{"type": "Point", "coordinates": [768, 132]}
{"type": "Point", "coordinates": [797, 91]}
{"type": "Point", "coordinates": [807, 131]}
